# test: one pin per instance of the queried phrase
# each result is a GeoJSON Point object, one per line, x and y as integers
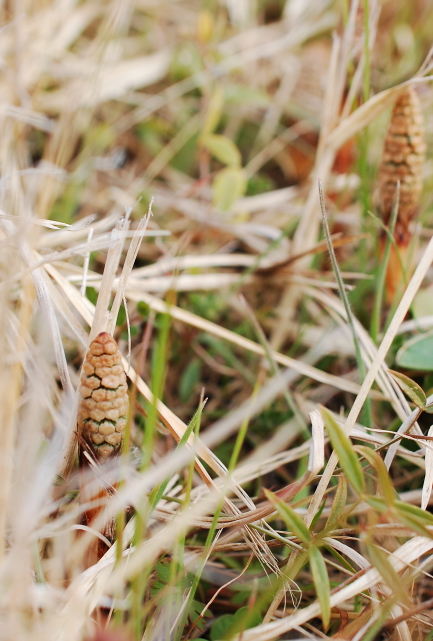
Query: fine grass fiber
{"type": "Point", "coordinates": [160, 171]}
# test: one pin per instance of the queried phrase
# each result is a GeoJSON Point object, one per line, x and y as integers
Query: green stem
{"type": "Point", "coordinates": [366, 86]}
{"type": "Point", "coordinates": [361, 367]}
{"type": "Point", "coordinates": [378, 301]}
{"type": "Point", "coordinates": [143, 513]}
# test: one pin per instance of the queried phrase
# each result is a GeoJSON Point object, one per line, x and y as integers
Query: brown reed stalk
{"type": "Point", "coordinates": [402, 160]}
{"type": "Point", "coordinates": [102, 417]}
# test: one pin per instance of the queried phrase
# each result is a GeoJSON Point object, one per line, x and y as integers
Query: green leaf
{"type": "Point", "coordinates": [241, 94]}
{"type": "Point", "coordinates": [410, 388]}
{"type": "Point", "coordinates": [189, 379]}
{"type": "Point", "coordinates": [187, 61]}
{"type": "Point", "coordinates": [321, 582]}
{"type": "Point", "coordinates": [380, 561]}
{"type": "Point", "coordinates": [239, 598]}
{"type": "Point", "coordinates": [220, 627]}
{"type": "Point", "coordinates": [163, 575]}
{"type": "Point", "coordinates": [345, 452]}
{"type": "Point", "coordinates": [169, 574]}
{"type": "Point", "coordinates": [228, 625]}
{"type": "Point", "coordinates": [229, 184]}
{"type": "Point", "coordinates": [244, 619]}
{"type": "Point", "coordinates": [415, 512]}
{"type": "Point", "coordinates": [143, 309]}
{"type": "Point", "coordinates": [92, 295]}
{"type": "Point", "coordinates": [415, 525]}
{"type": "Point", "coordinates": [194, 612]}
{"type": "Point", "coordinates": [414, 518]}
{"type": "Point", "coordinates": [293, 521]}
{"type": "Point", "coordinates": [377, 503]}
{"type": "Point", "coordinates": [65, 208]}
{"type": "Point", "coordinates": [339, 558]}
{"type": "Point", "coordinates": [384, 482]}
{"type": "Point", "coordinates": [121, 316]}
{"type": "Point", "coordinates": [163, 571]}
{"type": "Point", "coordinates": [417, 353]}
{"type": "Point", "coordinates": [338, 503]}
{"type": "Point", "coordinates": [214, 111]}
{"type": "Point", "coordinates": [223, 149]}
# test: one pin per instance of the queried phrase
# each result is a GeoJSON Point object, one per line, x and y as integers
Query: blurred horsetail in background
{"type": "Point", "coordinates": [201, 435]}
{"type": "Point", "coordinates": [403, 160]}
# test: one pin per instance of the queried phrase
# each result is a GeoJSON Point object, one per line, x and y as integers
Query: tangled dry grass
{"type": "Point", "coordinates": [159, 172]}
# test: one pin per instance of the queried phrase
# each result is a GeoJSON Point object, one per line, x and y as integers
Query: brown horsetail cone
{"type": "Point", "coordinates": [403, 159]}
{"type": "Point", "coordinates": [102, 414]}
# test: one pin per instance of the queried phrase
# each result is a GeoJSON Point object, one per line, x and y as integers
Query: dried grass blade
{"type": "Point", "coordinates": [101, 317]}
{"type": "Point", "coordinates": [317, 448]}
{"type": "Point", "coordinates": [46, 306]}
{"type": "Point", "coordinates": [428, 478]}
{"type": "Point", "coordinates": [365, 114]}
{"type": "Point", "coordinates": [388, 386]}
{"type": "Point", "coordinates": [196, 321]}
{"type": "Point", "coordinates": [127, 268]}
{"type": "Point", "coordinates": [86, 265]}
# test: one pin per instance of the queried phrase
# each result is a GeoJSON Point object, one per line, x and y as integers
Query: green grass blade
{"type": "Point", "coordinates": [378, 301]}
{"type": "Point", "coordinates": [380, 561]}
{"type": "Point", "coordinates": [345, 452]}
{"type": "Point", "coordinates": [321, 583]}
{"type": "Point", "coordinates": [349, 315]}
{"type": "Point", "coordinates": [338, 504]}
{"type": "Point", "coordinates": [293, 521]}
{"type": "Point", "coordinates": [383, 479]}
{"type": "Point", "coordinates": [409, 387]}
